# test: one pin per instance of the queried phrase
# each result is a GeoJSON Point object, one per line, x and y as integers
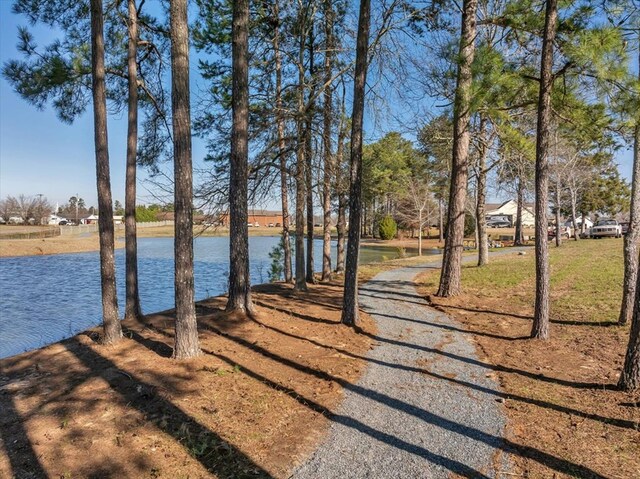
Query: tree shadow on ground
{"type": "Point", "coordinates": [324, 297]}
{"type": "Point", "coordinates": [597, 324]}
{"type": "Point", "coordinates": [218, 457]}
{"type": "Point", "coordinates": [595, 417]}
{"type": "Point", "coordinates": [306, 317]}
{"type": "Point", "coordinates": [448, 327]}
{"type": "Point", "coordinates": [450, 464]}
{"type": "Point", "coordinates": [23, 459]}
{"type": "Point", "coordinates": [539, 377]}
{"type": "Point", "coordinates": [505, 369]}
{"type": "Point", "coordinates": [549, 460]}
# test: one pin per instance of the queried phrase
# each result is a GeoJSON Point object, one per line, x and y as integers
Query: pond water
{"type": "Point", "coordinates": [47, 298]}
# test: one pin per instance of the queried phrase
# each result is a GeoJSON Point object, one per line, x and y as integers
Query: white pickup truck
{"type": "Point", "coordinates": [606, 228]}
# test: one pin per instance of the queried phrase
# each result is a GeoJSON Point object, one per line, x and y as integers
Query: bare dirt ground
{"type": "Point", "coordinates": [253, 405]}
{"type": "Point", "coordinates": [559, 394]}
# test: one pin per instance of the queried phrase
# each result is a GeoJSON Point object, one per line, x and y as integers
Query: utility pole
{"type": "Point", "coordinates": [41, 213]}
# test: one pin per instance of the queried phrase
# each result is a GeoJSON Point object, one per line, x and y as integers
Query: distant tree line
{"type": "Point", "coordinates": [25, 209]}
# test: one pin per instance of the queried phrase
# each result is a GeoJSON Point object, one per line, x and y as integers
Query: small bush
{"type": "Point", "coordinates": [387, 228]}
{"type": "Point", "coordinates": [277, 262]}
{"type": "Point", "coordinates": [469, 225]}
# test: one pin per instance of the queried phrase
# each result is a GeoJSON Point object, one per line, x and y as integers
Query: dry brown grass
{"type": "Point", "coordinates": [56, 245]}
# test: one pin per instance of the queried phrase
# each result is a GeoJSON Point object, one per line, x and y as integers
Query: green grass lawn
{"type": "Point", "coordinates": [586, 279]}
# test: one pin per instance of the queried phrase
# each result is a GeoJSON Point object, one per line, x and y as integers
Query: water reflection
{"type": "Point", "coordinates": [46, 298]}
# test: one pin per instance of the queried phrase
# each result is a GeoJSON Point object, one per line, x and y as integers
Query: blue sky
{"type": "Point", "coordinates": [41, 155]}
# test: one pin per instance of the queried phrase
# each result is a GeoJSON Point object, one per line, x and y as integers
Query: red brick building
{"type": "Point", "coordinates": [257, 218]}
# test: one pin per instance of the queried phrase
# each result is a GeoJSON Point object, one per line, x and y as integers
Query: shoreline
{"type": "Point", "coordinates": [89, 242]}
{"type": "Point", "coordinates": [16, 248]}
{"type": "Point", "coordinates": [166, 406]}
{"type": "Point", "coordinates": [366, 271]}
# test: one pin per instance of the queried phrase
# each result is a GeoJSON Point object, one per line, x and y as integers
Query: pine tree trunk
{"type": "Point", "coordinates": [239, 278]}
{"type": "Point", "coordinates": [110, 319]}
{"type": "Point", "coordinates": [630, 375]}
{"type": "Point", "coordinates": [420, 232]}
{"type": "Point", "coordinates": [557, 212]}
{"type": "Point", "coordinates": [519, 234]}
{"type": "Point", "coordinates": [284, 190]}
{"type": "Point", "coordinates": [326, 140]}
{"type": "Point", "coordinates": [342, 230]}
{"type": "Point", "coordinates": [574, 210]}
{"type": "Point", "coordinates": [364, 222]}
{"type": "Point", "coordinates": [343, 198]}
{"type": "Point", "coordinates": [309, 156]}
{"type": "Point", "coordinates": [540, 327]}
{"type": "Point", "coordinates": [481, 221]}
{"type": "Point", "coordinates": [372, 218]}
{"type": "Point", "coordinates": [300, 280]}
{"type": "Point", "coordinates": [632, 238]}
{"type": "Point", "coordinates": [300, 283]}
{"type": "Point", "coordinates": [310, 278]}
{"type": "Point", "coordinates": [350, 299]}
{"type": "Point", "coordinates": [452, 260]}
{"type": "Point", "coordinates": [440, 221]}
{"type": "Point", "coordinates": [186, 341]}
{"type": "Point", "coordinates": [132, 306]}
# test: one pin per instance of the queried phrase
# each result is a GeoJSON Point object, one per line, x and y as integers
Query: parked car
{"type": "Point", "coordinates": [498, 224]}
{"type": "Point", "coordinates": [566, 232]}
{"type": "Point", "coordinates": [606, 228]}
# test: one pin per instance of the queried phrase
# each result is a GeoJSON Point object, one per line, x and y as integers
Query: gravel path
{"type": "Point", "coordinates": [424, 407]}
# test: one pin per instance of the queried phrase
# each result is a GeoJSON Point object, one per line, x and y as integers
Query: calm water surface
{"type": "Point", "coordinates": [47, 298]}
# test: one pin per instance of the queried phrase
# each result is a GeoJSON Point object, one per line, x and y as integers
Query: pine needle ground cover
{"type": "Point", "coordinates": [253, 405]}
{"type": "Point", "coordinates": [560, 394]}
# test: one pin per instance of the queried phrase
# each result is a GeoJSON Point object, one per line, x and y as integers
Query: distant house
{"type": "Point", "coordinates": [93, 219]}
{"type": "Point", "coordinates": [507, 212]}
{"type": "Point", "coordinates": [255, 218]}
{"type": "Point", "coordinates": [165, 216]}
{"type": "Point", "coordinates": [170, 216]}
{"type": "Point", "coordinates": [89, 220]}
{"type": "Point", "coordinates": [54, 219]}
{"type": "Point", "coordinates": [588, 223]}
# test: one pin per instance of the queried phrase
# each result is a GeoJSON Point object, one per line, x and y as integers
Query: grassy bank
{"type": "Point", "coordinates": [199, 230]}
{"type": "Point", "coordinates": [559, 394]}
{"type": "Point", "coordinates": [56, 245]}
{"type": "Point", "coordinates": [85, 242]}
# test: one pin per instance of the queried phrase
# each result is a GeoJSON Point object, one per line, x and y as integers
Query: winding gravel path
{"type": "Point", "coordinates": [424, 407]}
